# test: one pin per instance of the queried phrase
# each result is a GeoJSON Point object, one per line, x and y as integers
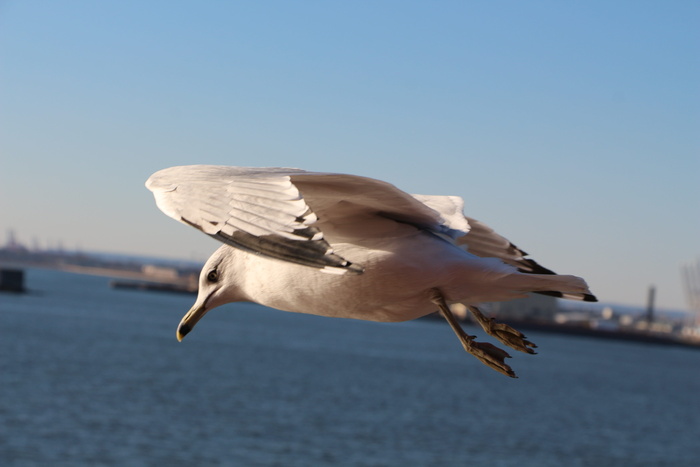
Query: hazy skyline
{"type": "Point", "coordinates": [573, 129]}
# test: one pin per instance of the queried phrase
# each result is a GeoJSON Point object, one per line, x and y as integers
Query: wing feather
{"type": "Point", "coordinates": [257, 210]}
{"type": "Point", "coordinates": [483, 241]}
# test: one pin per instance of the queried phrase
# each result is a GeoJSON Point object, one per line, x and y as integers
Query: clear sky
{"type": "Point", "coordinates": [572, 128]}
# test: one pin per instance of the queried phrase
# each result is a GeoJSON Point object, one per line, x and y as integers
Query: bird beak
{"type": "Point", "coordinates": [190, 319]}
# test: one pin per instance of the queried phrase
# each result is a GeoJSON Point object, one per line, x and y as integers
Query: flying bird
{"type": "Point", "coordinates": [348, 246]}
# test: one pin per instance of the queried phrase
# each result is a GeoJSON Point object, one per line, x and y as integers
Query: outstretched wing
{"type": "Point", "coordinates": [262, 210]}
{"type": "Point", "coordinates": [481, 240]}
{"type": "Point", "coordinates": [257, 210]}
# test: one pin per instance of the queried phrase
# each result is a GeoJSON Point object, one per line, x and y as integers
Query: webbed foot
{"type": "Point", "coordinates": [488, 354]}
{"type": "Point", "coordinates": [503, 332]}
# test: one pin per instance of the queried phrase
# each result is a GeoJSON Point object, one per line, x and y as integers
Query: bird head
{"type": "Point", "coordinates": [217, 286]}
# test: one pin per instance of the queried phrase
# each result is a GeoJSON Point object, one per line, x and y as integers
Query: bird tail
{"type": "Point", "coordinates": [560, 286]}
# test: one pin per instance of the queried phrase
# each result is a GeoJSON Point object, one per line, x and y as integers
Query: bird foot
{"type": "Point", "coordinates": [488, 354]}
{"type": "Point", "coordinates": [503, 332]}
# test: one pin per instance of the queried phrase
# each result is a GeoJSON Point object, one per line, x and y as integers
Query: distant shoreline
{"type": "Point", "coordinates": [186, 281]}
{"type": "Point", "coordinates": [103, 271]}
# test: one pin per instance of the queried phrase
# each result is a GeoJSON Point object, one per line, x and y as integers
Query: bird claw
{"type": "Point", "coordinates": [489, 355]}
{"type": "Point", "coordinates": [503, 332]}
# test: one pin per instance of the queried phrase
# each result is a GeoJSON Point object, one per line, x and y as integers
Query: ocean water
{"type": "Point", "coordinates": [91, 376]}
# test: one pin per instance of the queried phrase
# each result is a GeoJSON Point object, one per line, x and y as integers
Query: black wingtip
{"type": "Point", "coordinates": [589, 298]}
{"type": "Point", "coordinates": [550, 293]}
{"type": "Point", "coordinates": [584, 297]}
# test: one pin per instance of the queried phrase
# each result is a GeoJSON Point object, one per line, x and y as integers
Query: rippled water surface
{"type": "Point", "coordinates": [94, 376]}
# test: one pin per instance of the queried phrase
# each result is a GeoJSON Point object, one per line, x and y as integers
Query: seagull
{"type": "Point", "coordinates": [348, 246]}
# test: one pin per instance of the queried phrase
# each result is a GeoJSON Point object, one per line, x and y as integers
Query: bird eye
{"type": "Point", "coordinates": [213, 275]}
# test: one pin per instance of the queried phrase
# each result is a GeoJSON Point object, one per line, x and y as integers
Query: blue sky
{"type": "Point", "coordinates": [572, 128]}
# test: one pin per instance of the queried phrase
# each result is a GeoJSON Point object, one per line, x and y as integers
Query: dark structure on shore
{"type": "Point", "coordinates": [12, 280]}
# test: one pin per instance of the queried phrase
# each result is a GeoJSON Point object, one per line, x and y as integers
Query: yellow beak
{"type": "Point", "coordinates": [190, 319]}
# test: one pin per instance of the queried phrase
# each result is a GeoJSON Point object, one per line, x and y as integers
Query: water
{"type": "Point", "coordinates": [93, 376]}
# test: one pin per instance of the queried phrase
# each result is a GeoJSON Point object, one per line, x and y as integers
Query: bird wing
{"type": "Point", "coordinates": [483, 241]}
{"type": "Point", "coordinates": [338, 198]}
{"type": "Point", "coordinates": [480, 240]}
{"type": "Point", "coordinates": [257, 210]}
{"type": "Point", "coordinates": [269, 211]}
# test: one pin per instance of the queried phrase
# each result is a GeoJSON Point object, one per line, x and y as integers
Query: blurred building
{"type": "Point", "coordinates": [691, 283]}
{"type": "Point", "coordinates": [533, 308]}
